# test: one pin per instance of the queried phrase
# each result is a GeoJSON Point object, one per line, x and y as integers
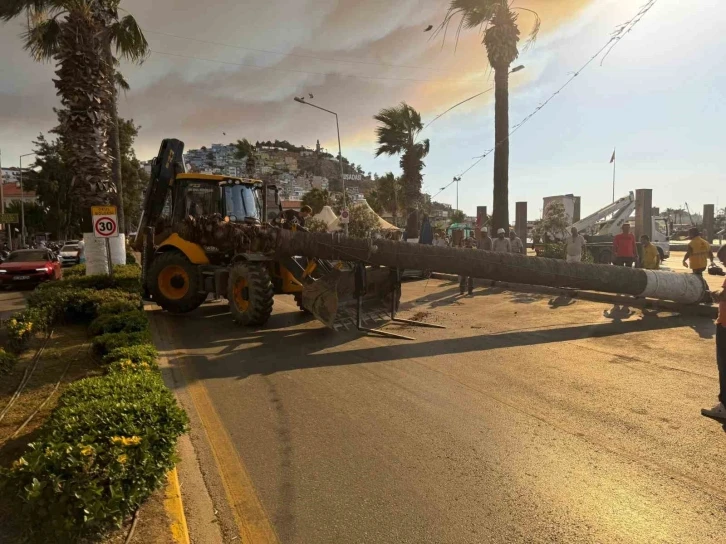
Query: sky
{"type": "Point", "coordinates": [234, 67]}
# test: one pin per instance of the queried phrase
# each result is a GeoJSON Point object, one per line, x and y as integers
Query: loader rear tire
{"type": "Point", "coordinates": [174, 283]}
{"type": "Point", "coordinates": [250, 294]}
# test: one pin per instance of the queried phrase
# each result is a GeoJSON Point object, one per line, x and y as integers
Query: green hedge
{"type": "Point", "coordinates": [125, 277]}
{"type": "Point", "coordinates": [111, 439]}
{"type": "Point", "coordinates": [105, 448]}
{"type": "Point", "coordinates": [108, 342]}
{"type": "Point", "coordinates": [137, 354]}
{"type": "Point", "coordinates": [133, 321]}
{"type": "Point", "coordinates": [7, 361]}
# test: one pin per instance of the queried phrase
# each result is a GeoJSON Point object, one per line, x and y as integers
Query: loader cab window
{"type": "Point", "coordinates": [241, 202]}
{"type": "Point", "coordinates": [200, 199]}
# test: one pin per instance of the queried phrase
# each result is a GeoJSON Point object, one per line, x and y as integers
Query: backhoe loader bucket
{"type": "Point", "coordinates": [334, 298]}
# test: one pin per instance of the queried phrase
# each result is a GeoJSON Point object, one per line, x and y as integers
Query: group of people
{"type": "Point", "coordinates": [625, 251]}
{"type": "Point", "coordinates": [501, 244]}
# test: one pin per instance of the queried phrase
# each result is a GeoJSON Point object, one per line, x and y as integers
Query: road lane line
{"type": "Point", "coordinates": [175, 509]}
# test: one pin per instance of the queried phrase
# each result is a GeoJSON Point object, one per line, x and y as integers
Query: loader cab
{"type": "Point", "coordinates": [196, 195]}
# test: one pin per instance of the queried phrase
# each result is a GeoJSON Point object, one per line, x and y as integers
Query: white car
{"type": "Point", "coordinates": [70, 255]}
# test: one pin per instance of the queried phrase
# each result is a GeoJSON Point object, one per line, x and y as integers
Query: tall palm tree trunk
{"type": "Point", "coordinates": [114, 143]}
{"type": "Point", "coordinates": [500, 214]}
{"type": "Point", "coordinates": [83, 87]}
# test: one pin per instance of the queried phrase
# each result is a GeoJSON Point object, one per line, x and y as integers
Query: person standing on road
{"type": "Point", "coordinates": [486, 240]}
{"type": "Point", "coordinates": [651, 257]}
{"type": "Point", "coordinates": [699, 250]}
{"type": "Point", "coordinates": [573, 246]}
{"type": "Point", "coordinates": [516, 243]}
{"type": "Point", "coordinates": [467, 282]}
{"type": "Point", "coordinates": [625, 251]}
{"type": "Point", "coordinates": [501, 243]}
{"type": "Point", "coordinates": [719, 411]}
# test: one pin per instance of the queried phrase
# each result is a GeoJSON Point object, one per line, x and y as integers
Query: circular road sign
{"type": "Point", "coordinates": [105, 227]}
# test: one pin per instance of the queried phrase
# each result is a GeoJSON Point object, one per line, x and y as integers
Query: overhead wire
{"type": "Point", "coordinates": [615, 37]}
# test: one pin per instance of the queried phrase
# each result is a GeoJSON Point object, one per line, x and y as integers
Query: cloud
{"type": "Point", "coordinates": [390, 59]}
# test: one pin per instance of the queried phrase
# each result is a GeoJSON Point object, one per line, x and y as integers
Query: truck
{"type": "Point", "coordinates": [600, 227]}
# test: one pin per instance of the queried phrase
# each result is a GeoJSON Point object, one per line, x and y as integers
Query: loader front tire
{"type": "Point", "coordinates": [250, 294]}
{"type": "Point", "coordinates": [174, 283]}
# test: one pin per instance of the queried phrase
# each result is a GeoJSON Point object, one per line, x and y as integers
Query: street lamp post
{"type": "Point", "coordinates": [340, 153]}
{"type": "Point", "coordinates": [22, 201]}
{"type": "Point", "coordinates": [2, 197]}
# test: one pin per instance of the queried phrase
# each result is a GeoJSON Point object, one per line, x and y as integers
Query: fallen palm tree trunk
{"type": "Point", "coordinates": [227, 236]}
{"type": "Point", "coordinates": [683, 288]}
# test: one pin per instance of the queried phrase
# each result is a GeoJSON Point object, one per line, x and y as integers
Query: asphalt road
{"type": "Point", "coordinates": [526, 420]}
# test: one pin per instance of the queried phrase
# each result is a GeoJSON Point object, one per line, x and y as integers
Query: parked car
{"type": "Point", "coordinates": [26, 267]}
{"type": "Point", "coordinates": [70, 255]}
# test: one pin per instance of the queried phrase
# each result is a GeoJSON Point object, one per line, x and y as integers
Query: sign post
{"type": "Point", "coordinates": [344, 216]}
{"type": "Point", "coordinates": [105, 226]}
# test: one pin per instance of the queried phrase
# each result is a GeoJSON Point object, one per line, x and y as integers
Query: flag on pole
{"type": "Point", "coordinates": [612, 159]}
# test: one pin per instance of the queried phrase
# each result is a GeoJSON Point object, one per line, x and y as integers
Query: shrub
{"type": "Point", "coordinates": [74, 271]}
{"type": "Point", "coordinates": [113, 340]}
{"type": "Point", "coordinates": [23, 325]}
{"type": "Point", "coordinates": [7, 361]}
{"type": "Point", "coordinates": [559, 251]}
{"type": "Point", "coordinates": [74, 304]}
{"type": "Point", "coordinates": [103, 451]}
{"type": "Point", "coordinates": [130, 258]}
{"type": "Point", "coordinates": [136, 354]}
{"type": "Point", "coordinates": [127, 365]}
{"type": "Point", "coordinates": [133, 321]}
{"type": "Point", "coordinates": [125, 277]}
{"type": "Point", "coordinates": [118, 307]}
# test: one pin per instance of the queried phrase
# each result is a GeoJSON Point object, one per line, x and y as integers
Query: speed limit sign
{"type": "Point", "coordinates": [345, 216]}
{"type": "Point", "coordinates": [105, 222]}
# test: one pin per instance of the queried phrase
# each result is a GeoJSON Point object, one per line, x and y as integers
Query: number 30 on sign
{"type": "Point", "coordinates": [105, 222]}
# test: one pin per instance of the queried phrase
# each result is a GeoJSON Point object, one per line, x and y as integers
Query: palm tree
{"type": "Point", "coordinates": [389, 191]}
{"type": "Point", "coordinates": [397, 134]}
{"type": "Point", "coordinates": [245, 150]}
{"type": "Point", "coordinates": [501, 35]}
{"type": "Point", "coordinates": [80, 35]}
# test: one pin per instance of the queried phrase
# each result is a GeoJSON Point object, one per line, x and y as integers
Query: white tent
{"type": "Point", "coordinates": [326, 215]}
{"type": "Point", "coordinates": [382, 223]}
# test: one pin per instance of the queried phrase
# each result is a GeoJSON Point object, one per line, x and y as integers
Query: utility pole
{"type": "Point", "coordinates": [340, 152]}
{"type": "Point", "coordinates": [2, 196]}
{"type": "Point", "coordinates": [22, 202]}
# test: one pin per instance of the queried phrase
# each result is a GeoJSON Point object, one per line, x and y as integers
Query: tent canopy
{"type": "Point", "coordinates": [382, 223]}
{"type": "Point", "coordinates": [326, 215]}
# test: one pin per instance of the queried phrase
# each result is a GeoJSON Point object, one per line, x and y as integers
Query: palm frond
{"type": "Point", "coordinates": [130, 41]}
{"type": "Point", "coordinates": [42, 38]}
{"type": "Point", "coordinates": [9, 9]}
{"type": "Point", "coordinates": [120, 82]}
{"type": "Point", "coordinates": [535, 28]}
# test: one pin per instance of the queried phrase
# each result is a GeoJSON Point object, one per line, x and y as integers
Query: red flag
{"type": "Point", "coordinates": [612, 159]}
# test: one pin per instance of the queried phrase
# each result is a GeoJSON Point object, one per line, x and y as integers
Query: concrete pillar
{"type": "Point", "coordinates": [481, 216]}
{"type": "Point", "coordinates": [576, 213]}
{"type": "Point", "coordinates": [643, 213]}
{"type": "Point", "coordinates": [521, 221]}
{"type": "Point", "coordinates": [708, 231]}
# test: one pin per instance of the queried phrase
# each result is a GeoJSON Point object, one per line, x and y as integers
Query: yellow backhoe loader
{"type": "Point", "coordinates": [179, 274]}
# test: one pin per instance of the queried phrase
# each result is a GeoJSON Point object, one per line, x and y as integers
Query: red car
{"type": "Point", "coordinates": [27, 267]}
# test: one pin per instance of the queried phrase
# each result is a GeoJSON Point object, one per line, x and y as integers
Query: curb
{"type": "Point", "coordinates": [175, 509]}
